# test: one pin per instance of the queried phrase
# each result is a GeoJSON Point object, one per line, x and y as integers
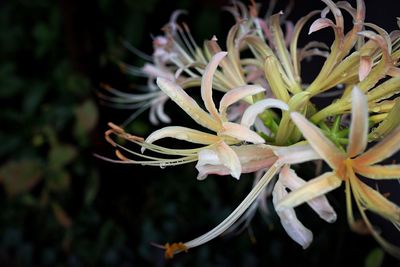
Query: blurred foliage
{"type": "Point", "coordinates": [61, 207]}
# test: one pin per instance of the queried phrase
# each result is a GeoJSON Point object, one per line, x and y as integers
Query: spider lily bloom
{"type": "Point", "coordinates": [226, 133]}
{"type": "Point", "coordinates": [347, 165]}
{"type": "Point", "coordinates": [174, 54]}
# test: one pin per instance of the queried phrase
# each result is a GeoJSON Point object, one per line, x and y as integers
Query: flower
{"type": "Point", "coordinates": [284, 155]}
{"type": "Point", "coordinates": [216, 150]}
{"type": "Point", "coordinates": [261, 70]}
{"type": "Point", "coordinates": [347, 165]}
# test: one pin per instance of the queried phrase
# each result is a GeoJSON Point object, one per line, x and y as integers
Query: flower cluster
{"type": "Point", "coordinates": [268, 119]}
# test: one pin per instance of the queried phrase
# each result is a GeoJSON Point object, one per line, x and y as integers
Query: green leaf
{"type": "Point", "coordinates": [374, 258]}
{"type": "Point", "coordinates": [61, 155]}
{"type": "Point", "coordinates": [20, 177]}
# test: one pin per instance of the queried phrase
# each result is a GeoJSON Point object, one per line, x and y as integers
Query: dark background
{"type": "Point", "coordinates": [62, 207]}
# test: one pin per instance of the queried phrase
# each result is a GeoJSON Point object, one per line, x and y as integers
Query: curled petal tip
{"type": "Point", "coordinates": [319, 24]}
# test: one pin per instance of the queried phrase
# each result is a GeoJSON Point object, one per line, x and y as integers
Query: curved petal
{"type": "Point", "coordinates": [252, 158]}
{"type": "Point", "coordinates": [183, 133]}
{"type": "Point", "coordinates": [312, 189]}
{"type": "Point", "coordinates": [251, 113]}
{"type": "Point", "coordinates": [381, 151]}
{"type": "Point", "coordinates": [296, 154]}
{"type": "Point", "coordinates": [209, 163]}
{"type": "Point", "coordinates": [183, 100]}
{"type": "Point", "coordinates": [293, 227]}
{"type": "Point", "coordinates": [358, 136]}
{"type": "Point", "coordinates": [206, 84]}
{"type": "Point", "coordinates": [374, 201]}
{"type": "Point", "coordinates": [229, 159]}
{"type": "Point", "coordinates": [240, 133]}
{"type": "Point", "coordinates": [320, 204]}
{"type": "Point", "coordinates": [321, 23]}
{"type": "Point", "coordinates": [236, 94]}
{"type": "Point", "coordinates": [378, 172]}
{"type": "Point", "coordinates": [365, 67]}
{"type": "Point", "coordinates": [321, 144]}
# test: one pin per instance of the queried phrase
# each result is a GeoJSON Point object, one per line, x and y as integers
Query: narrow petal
{"type": "Point", "coordinates": [320, 204]}
{"type": "Point", "coordinates": [358, 136]}
{"type": "Point", "coordinates": [240, 133]}
{"type": "Point", "coordinates": [251, 113]}
{"type": "Point", "coordinates": [295, 154]}
{"type": "Point", "coordinates": [321, 144]}
{"type": "Point", "coordinates": [183, 100]}
{"type": "Point", "coordinates": [319, 24]}
{"type": "Point", "coordinates": [293, 227]}
{"type": "Point", "coordinates": [183, 133]}
{"type": "Point", "coordinates": [374, 201]}
{"type": "Point", "coordinates": [365, 67]}
{"type": "Point", "coordinates": [229, 159]}
{"type": "Point", "coordinates": [381, 151]}
{"type": "Point", "coordinates": [312, 189]}
{"type": "Point", "coordinates": [206, 84]}
{"type": "Point", "coordinates": [236, 94]}
{"type": "Point", "coordinates": [379, 172]}
{"type": "Point", "coordinates": [161, 113]}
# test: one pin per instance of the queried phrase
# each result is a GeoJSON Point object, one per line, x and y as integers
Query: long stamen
{"type": "Point", "coordinates": [232, 218]}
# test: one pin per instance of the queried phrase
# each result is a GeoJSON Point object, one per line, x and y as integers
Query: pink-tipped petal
{"type": "Point", "coordinates": [319, 24]}
{"type": "Point", "coordinates": [358, 136]}
{"type": "Point", "coordinates": [240, 133]}
{"type": "Point", "coordinates": [365, 67]}
{"type": "Point", "coordinates": [321, 144]}
{"type": "Point", "coordinates": [320, 204]}
{"type": "Point", "coordinates": [251, 113]}
{"type": "Point", "coordinates": [293, 227]}
{"type": "Point", "coordinates": [236, 94]}
{"type": "Point", "coordinates": [206, 84]}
